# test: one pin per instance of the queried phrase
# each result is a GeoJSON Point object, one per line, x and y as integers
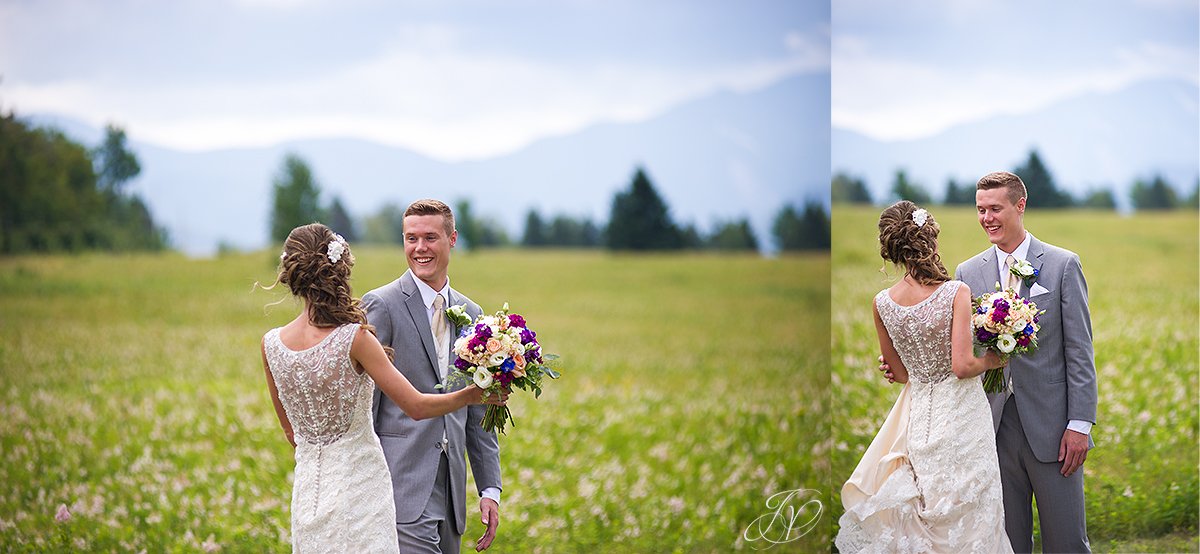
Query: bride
{"type": "Point", "coordinates": [930, 480]}
{"type": "Point", "coordinates": [320, 369]}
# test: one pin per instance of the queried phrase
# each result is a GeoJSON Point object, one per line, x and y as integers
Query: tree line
{"type": "Point", "coordinates": [59, 195]}
{"type": "Point", "coordinates": [639, 220]}
{"type": "Point", "coordinates": [1153, 193]}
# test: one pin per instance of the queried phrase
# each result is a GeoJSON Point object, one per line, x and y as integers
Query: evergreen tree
{"type": "Point", "coordinates": [1193, 199]}
{"type": "Point", "coordinates": [844, 189]}
{"type": "Point", "coordinates": [535, 231]}
{"type": "Point", "coordinates": [1099, 199]}
{"type": "Point", "coordinates": [958, 195]}
{"type": "Point", "coordinates": [640, 219]}
{"type": "Point", "coordinates": [296, 198]}
{"type": "Point", "coordinates": [796, 231]}
{"type": "Point", "coordinates": [1155, 195]}
{"type": "Point", "coordinates": [115, 164]}
{"type": "Point", "coordinates": [904, 189]}
{"type": "Point", "coordinates": [468, 229]}
{"type": "Point", "coordinates": [340, 221]}
{"type": "Point", "coordinates": [1039, 184]}
{"type": "Point", "coordinates": [689, 238]}
{"type": "Point", "coordinates": [733, 235]}
{"type": "Point", "coordinates": [386, 226]}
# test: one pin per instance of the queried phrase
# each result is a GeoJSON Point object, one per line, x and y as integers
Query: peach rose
{"type": "Point", "coordinates": [519, 360]}
{"type": "Point", "coordinates": [493, 346]}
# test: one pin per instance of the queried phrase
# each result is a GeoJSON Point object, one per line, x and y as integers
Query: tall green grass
{"type": "Point", "coordinates": [132, 392]}
{"type": "Point", "coordinates": [1141, 479]}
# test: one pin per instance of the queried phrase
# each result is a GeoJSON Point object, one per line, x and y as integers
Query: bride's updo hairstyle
{"type": "Point", "coordinates": [315, 266]}
{"type": "Point", "coordinates": [912, 242]}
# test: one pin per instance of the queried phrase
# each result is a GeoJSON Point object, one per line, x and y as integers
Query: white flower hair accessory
{"type": "Point", "coordinates": [337, 247]}
{"type": "Point", "coordinates": [920, 217]}
{"type": "Point", "coordinates": [282, 255]}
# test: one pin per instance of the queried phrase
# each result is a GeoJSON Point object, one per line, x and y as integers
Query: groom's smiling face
{"type": "Point", "coordinates": [1000, 217]}
{"type": "Point", "coordinates": [427, 248]}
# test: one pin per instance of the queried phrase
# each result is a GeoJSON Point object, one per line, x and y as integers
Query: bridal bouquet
{"type": "Point", "coordinates": [1004, 321]}
{"type": "Point", "coordinates": [495, 352]}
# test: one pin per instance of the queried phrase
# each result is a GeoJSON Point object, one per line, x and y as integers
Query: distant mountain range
{"type": "Point", "coordinates": [721, 157]}
{"type": "Point", "coordinates": [1099, 140]}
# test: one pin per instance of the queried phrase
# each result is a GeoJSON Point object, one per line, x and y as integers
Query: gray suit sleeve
{"type": "Point", "coordinates": [1077, 344]}
{"type": "Point", "coordinates": [483, 450]}
{"type": "Point", "coordinates": [377, 315]}
{"type": "Point", "coordinates": [958, 273]}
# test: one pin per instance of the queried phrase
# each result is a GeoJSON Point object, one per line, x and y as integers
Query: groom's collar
{"type": "Point", "coordinates": [428, 294]}
{"type": "Point", "coordinates": [1021, 252]}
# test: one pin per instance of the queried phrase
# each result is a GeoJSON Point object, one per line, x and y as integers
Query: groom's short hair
{"type": "Point", "coordinates": [1010, 182]}
{"type": "Point", "coordinates": [432, 207]}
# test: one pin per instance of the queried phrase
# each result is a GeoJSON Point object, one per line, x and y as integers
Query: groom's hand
{"type": "Point", "coordinates": [1072, 451]}
{"type": "Point", "coordinates": [490, 515]}
{"type": "Point", "coordinates": [887, 371]}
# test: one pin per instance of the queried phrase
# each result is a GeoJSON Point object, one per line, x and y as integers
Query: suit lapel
{"type": "Point", "coordinates": [989, 268]}
{"type": "Point", "coordinates": [1034, 256]}
{"type": "Point", "coordinates": [420, 317]}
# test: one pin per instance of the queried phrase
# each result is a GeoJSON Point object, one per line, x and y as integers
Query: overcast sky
{"type": "Point", "coordinates": [450, 79]}
{"type": "Point", "coordinates": [904, 70]}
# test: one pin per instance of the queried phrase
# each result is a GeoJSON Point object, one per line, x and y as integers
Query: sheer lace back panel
{"type": "Point", "coordinates": [921, 332]}
{"type": "Point", "coordinates": [318, 386]}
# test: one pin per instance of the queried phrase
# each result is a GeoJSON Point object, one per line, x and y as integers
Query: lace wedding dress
{"type": "Point", "coordinates": [342, 496]}
{"type": "Point", "coordinates": [930, 480]}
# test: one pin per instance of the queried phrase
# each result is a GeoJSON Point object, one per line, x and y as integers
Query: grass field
{"type": "Point", "coordinates": [695, 387]}
{"type": "Point", "coordinates": [1141, 479]}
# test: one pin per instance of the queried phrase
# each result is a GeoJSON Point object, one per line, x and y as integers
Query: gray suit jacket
{"type": "Point", "coordinates": [412, 447]}
{"type": "Point", "coordinates": [1057, 382]}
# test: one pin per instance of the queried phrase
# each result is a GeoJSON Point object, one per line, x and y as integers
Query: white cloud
{"type": "Point", "coordinates": [423, 92]}
{"type": "Point", "coordinates": [891, 98]}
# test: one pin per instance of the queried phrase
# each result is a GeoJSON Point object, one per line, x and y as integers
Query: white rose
{"type": "Point", "coordinates": [482, 378]}
{"type": "Point", "coordinates": [1006, 343]}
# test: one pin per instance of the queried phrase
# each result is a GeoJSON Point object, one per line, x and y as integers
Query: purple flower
{"type": "Point", "coordinates": [527, 336]}
{"type": "Point", "coordinates": [534, 355]}
{"type": "Point", "coordinates": [482, 331]}
{"type": "Point", "coordinates": [475, 343]}
{"type": "Point", "coordinates": [505, 378]}
{"type": "Point", "coordinates": [983, 335]}
{"type": "Point", "coordinates": [1000, 304]}
{"type": "Point", "coordinates": [1023, 340]}
{"type": "Point", "coordinates": [515, 320]}
{"type": "Point", "coordinates": [462, 364]}
{"type": "Point", "coordinates": [998, 316]}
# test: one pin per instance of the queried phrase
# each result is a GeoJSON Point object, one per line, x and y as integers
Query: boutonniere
{"type": "Point", "coordinates": [1025, 272]}
{"type": "Point", "coordinates": [458, 315]}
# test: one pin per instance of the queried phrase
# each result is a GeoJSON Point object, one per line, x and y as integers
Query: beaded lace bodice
{"type": "Point", "coordinates": [921, 332]}
{"type": "Point", "coordinates": [318, 386]}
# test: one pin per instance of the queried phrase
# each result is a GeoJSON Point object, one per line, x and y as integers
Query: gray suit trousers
{"type": "Point", "coordinates": [1022, 476]}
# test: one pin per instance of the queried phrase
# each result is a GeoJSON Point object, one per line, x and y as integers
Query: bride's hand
{"type": "Point", "coordinates": [481, 396]}
{"type": "Point", "coordinates": [992, 359]}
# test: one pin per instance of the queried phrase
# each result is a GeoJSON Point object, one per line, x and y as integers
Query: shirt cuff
{"type": "Point", "coordinates": [491, 492]}
{"type": "Point", "coordinates": [1077, 425]}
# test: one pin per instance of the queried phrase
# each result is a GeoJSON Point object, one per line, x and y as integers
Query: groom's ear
{"type": "Point", "coordinates": [1021, 206]}
{"type": "Point", "coordinates": [453, 237]}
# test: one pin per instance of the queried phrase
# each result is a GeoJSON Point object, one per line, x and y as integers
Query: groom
{"type": "Point", "coordinates": [1043, 419]}
{"type": "Point", "coordinates": [426, 457]}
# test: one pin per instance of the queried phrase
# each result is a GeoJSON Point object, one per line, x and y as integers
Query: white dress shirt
{"type": "Point", "coordinates": [428, 295]}
{"type": "Point", "coordinates": [1021, 253]}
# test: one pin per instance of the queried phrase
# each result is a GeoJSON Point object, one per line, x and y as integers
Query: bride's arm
{"type": "Point", "coordinates": [279, 412]}
{"type": "Point", "coordinates": [368, 353]}
{"type": "Point", "coordinates": [890, 356]}
{"type": "Point", "coordinates": [962, 354]}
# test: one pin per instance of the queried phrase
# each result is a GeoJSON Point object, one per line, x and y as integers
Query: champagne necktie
{"type": "Point", "coordinates": [440, 334]}
{"type": "Point", "coordinates": [1012, 280]}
